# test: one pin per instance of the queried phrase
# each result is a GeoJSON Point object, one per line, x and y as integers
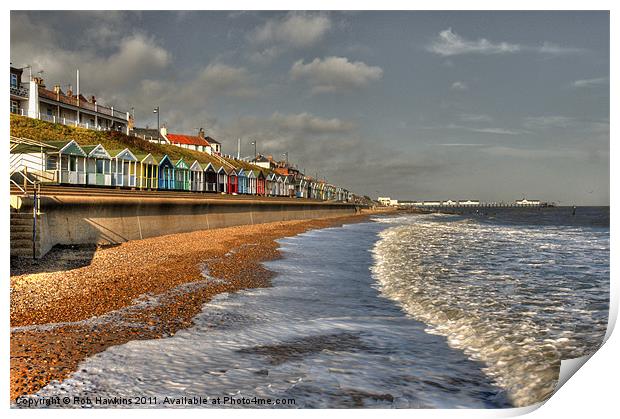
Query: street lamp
{"type": "Point", "coordinates": [254, 144]}
{"type": "Point", "coordinates": [156, 110]}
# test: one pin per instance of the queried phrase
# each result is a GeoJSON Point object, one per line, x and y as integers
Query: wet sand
{"type": "Point", "coordinates": [77, 302]}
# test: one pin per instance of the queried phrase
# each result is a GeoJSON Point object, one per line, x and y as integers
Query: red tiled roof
{"type": "Point", "coordinates": [187, 139]}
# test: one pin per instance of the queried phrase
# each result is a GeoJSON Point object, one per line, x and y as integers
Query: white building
{"type": "Point", "coordinates": [527, 203]}
{"type": "Point", "coordinates": [34, 100]}
{"type": "Point", "coordinates": [387, 201]}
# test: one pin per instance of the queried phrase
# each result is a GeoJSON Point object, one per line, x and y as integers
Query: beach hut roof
{"type": "Point", "coordinates": [251, 174]}
{"type": "Point", "coordinates": [222, 169]}
{"type": "Point", "coordinates": [96, 151]}
{"type": "Point", "coordinates": [146, 158]}
{"type": "Point", "coordinates": [124, 154]}
{"type": "Point", "coordinates": [196, 166]}
{"type": "Point", "coordinates": [180, 163]}
{"type": "Point", "coordinates": [70, 147]}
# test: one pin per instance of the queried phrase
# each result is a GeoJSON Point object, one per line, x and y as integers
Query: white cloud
{"type": "Point", "coordinates": [335, 73]}
{"type": "Point", "coordinates": [590, 82]}
{"type": "Point", "coordinates": [459, 85]}
{"type": "Point", "coordinates": [294, 29]}
{"type": "Point", "coordinates": [450, 43]}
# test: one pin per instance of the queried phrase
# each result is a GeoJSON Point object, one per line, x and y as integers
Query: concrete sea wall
{"type": "Point", "coordinates": [115, 219]}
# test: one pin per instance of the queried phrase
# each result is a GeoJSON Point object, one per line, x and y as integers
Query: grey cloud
{"type": "Point", "coordinates": [590, 82]}
{"type": "Point", "coordinates": [294, 29]}
{"type": "Point", "coordinates": [335, 73]}
{"type": "Point", "coordinates": [459, 85]}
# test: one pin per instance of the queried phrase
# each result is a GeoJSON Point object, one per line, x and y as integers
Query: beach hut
{"type": "Point", "coordinates": [270, 184]}
{"type": "Point", "coordinates": [148, 171]}
{"type": "Point", "coordinates": [98, 165]}
{"type": "Point", "coordinates": [260, 183]}
{"type": "Point", "coordinates": [222, 180]}
{"type": "Point", "coordinates": [281, 185]}
{"type": "Point", "coordinates": [233, 182]}
{"type": "Point", "coordinates": [210, 175]}
{"type": "Point", "coordinates": [242, 180]}
{"type": "Point", "coordinates": [251, 182]}
{"type": "Point", "coordinates": [124, 168]}
{"type": "Point", "coordinates": [72, 159]}
{"type": "Point", "coordinates": [166, 173]}
{"type": "Point", "coordinates": [196, 177]}
{"type": "Point", "coordinates": [181, 175]}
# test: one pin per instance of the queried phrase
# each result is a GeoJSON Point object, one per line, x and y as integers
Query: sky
{"type": "Point", "coordinates": [494, 106]}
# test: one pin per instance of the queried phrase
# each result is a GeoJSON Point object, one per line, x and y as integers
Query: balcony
{"type": "Point", "coordinates": [20, 91]}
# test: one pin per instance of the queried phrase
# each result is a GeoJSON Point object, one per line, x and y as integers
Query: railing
{"type": "Point", "coordinates": [20, 91]}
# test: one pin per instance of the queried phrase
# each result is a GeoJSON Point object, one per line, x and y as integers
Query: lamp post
{"type": "Point", "coordinates": [156, 110]}
{"type": "Point", "coordinates": [254, 144]}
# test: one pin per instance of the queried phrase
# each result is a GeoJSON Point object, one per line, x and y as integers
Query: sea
{"type": "Point", "coordinates": [469, 310]}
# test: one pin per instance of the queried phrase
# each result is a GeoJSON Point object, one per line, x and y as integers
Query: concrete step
{"type": "Point", "coordinates": [21, 215]}
{"type": "Point", "coordinates": [21, 222]}
{"type": "Point", "coordinates": [25, 253]}
{"type": "Point", "coordinates": [18, 228]}
{"type": "Point", "coordinates": [23, 243]}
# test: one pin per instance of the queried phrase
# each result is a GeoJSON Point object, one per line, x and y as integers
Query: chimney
{"type": "Point", "coordinates": [70, 91]}
{"type": "Point", "coordinates": [39, 81]}
{"type": "Point", "coordinates": [57, 89]}
{"type": "Point", "coordinates": [201, 133]}
{"type": "Point", "coordinates": [92, 99]}
{"type": "Point", "coordinates": [163, 130]}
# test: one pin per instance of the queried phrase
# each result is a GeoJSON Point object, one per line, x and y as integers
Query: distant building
{"type": "Point", "coordinates": [527, 203]}
{"type": "Point", "coordinates": [469, 202]}
{"type": "Point", "coordinates": [34, 100]}
{"type": "Point", "coordinates": [387, 201]}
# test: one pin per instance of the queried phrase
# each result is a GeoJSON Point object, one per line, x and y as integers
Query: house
{"type": "Point", "coordinates": [98, 165]}
{"type": "Point", "coordinates": [124, 168]}
{"type": "Point", "coordinates": [18, 93]}
{"type": "Point", "coordinates": [34, 100]}
{"type": "Point", "coordinates": [166, 173]}
{"type": "Point", "coordinates": [216, 147]}
{"type": "Point", "coordinates": [148, 171]}
{"type": "Point", "coordinates": [152, 135]}
{"type": "Point", "coordinates": [196, 177]}
{"type": "Point", "coordinates": [190, 142]}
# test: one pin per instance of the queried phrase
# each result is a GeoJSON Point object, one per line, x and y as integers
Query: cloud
{"type": "Point", "coordinates": [548, 121]}
{"type": "Point", "coordinates": [590, 82]}
{"type": "Point", "coordinates": [462, 145]}
{"type": "Point", "coordinates": [225, 79]}
{"type": "Point", "coordinates": [500, 131]}
{"type": "Point", "coordinates": [459, 85]}
{"type": "Point", "coordinates": [449, 43]}
{"type": "Point", "coordinates": [469, 117]}
{"type": "Point", "coordinates": [335, 73]}
{"type": "Point", "coordinates": [294, 29]}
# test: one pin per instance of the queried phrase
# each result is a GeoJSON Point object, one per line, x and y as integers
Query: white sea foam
{"type": "Point", "coordinates": [518, 299]}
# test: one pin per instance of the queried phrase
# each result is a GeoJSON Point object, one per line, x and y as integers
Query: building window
{"type": "Point", "coordinates": [51, 162]}
{"type": "Point", "coordinates": [14, 81]}
{"type": "Point", "coordinates": [14, 106]}
{"type": "Point", "coordinates": [100, 165]}
{"type": "Point", "coordinates": [73, 163]}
